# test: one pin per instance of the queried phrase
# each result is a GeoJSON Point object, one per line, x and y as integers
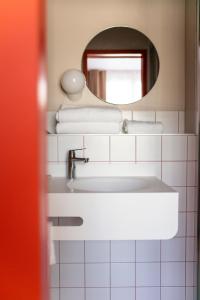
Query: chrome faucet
{"type": "Point", "coordinates": [72, 159]}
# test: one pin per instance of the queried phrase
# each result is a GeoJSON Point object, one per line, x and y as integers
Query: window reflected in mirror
{"type": "Point", "coordinates": [117, 75]}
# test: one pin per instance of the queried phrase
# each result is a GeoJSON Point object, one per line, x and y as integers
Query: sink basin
{"type": "Point", "coordinates": [108, 184]}
{"type": "Point", "coordinates": [112, 208]}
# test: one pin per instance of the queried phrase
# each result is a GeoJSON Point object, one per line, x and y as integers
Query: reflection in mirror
{"type": "Point", "coordinates": [121, 65]}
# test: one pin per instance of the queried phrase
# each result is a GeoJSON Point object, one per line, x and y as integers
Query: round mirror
{"type": "Point", "coordinates": [121, 65]}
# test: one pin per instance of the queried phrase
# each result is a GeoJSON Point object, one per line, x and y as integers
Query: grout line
{"type": "Point", "coordinates": [84, 272]}
{"type": "Point", "coordinates": [186, 218]}
{"type": "Point", "coordinates": [128, 161]}
{"type": "Point", "coordinates": [109, 148]}
{"type": "Point", "coordinates": [160, 269]}
{"type": "Point", "coordinates": [59, 263]}
{"type": "Point", "coordinates": [57, 149]}
{"type": "Point", "coordinates": [135, 269]}
{"type": "Point", "coordinates": [110, 269]}
{"type": "Point", "coordinates": [136, 141]}
{"type": "Point", "coordinates": [133, 149]}
{"type": "Point", "coordinates": [122, 134]}
{"type": "Point", "coordinates": [125, 286]}
{"type": "Point", "coordinates": [138, 262]}
{"type": "Point", "coordinates": [83, 143]}
{"type": "Point", "coordinates": [178, 121]}
{"type": "Point", "coordinates": [161, 158]}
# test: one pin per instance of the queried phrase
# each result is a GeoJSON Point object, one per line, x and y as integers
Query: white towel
{"type": "Point", "coordinates": [88, 127]}
{"type": "Point", "coordinates": [52, 256]}
{"type": "Point", "coordinates": [89, 114]}
{"type": "Point", "coordinates": [137, 127]}
{"type": "Point", "coordinates": [51, 122]}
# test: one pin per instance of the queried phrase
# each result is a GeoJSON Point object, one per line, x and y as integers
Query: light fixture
{"type": "Point", "coordinates": [72, 83]}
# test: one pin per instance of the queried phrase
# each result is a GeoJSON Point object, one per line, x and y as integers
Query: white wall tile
{"type": "Point", "coordinates": [68, 142]}
{"type": "Point", "coordinates": [196, 266]}
{"type": "Point", "coordinates": [196, 250]}
{"type": "Point", "coordinates": [122, 274]}
{"type": "Point", "coordinates": [148, 293]}
{"type": "Point", "coordinates": [57, 169]}
{"type": "Point", "coordinates": [148, 274]}
{"type": "Point", "coordinates": [72, 275]}
{"type": "Point", "coordinates": [190, 249]}
{"type": "Point", "coordinates": [71, 251]}
{"type": "Point", "coordinates": [72, 293]}
{"type": "Point", "coordinates": [52, 148]}
{"type": "Point", "coordinates": [173, 274]}
{"type": "Point", "coordinates": [174, 173]}
{"type": "Point", "coordinates": [173, 293]}
{"type": "Point", "coordinates": [191, 173]}
{"type": "Point", "coordinates": [123, 293]}
{"type": "Point", "coordinates": [122, 251]}
{"type": "Point", "coordinates": [147, 169]}
{"type": "Point", "coordinates": [56, 247]}
{"type": "Point", "coordinates": [181, 225]}
{"type": "Point", "coordinates": [144, 116]}
{"type": "Point", "coordinates": [97, 275]}
{"type": "Point", "coordinates": [147, 251]}
{"type": "Point", "coordinates": [54, 294]}
{"type": "Point", "coordinates": [192, 147]}
{"type": "Point", "coordinates": [122, 148]}
{"type": "Point", "coordinates": [51, 122]}
{"type": "Point", "coordinates": [192, 199]}
{"type": "Point", "coordinates": [181, 121]}
{"type": "Point", "coordinates": [182, 197]}
{"type": "Point", "coordinates": [190, 273]}
{"type": "Point", "coordinates": [127, 114]}
{"type": "Point", "coordinates": [54, 275]}
{"type": "Point", "coordinates": [169, 120]}
{"type": "Point", "coordinates": [190, 293]}
{"type": "Point", "coordinates": [191, 218]}
{"type": "Point", "coordinates": [96, 294]}
{"type": "Point", "coordinates": [119, 169]}
{"type": "Point", "coordinates": [195, 289]}
{"type": "Point", "coordinates": [174, 148]}
{"type": "Point", "coordinates": [97, 147]}
{"type": "Point", "coordinates": [97, 251]}
{"type": "Point", "coordinates": [173, 250]}
{"type": "Point", "coordinates": [148, 148]}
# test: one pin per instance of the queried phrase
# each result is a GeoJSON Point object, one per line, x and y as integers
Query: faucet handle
{"type": "Point", "coordinates": [78, 149]}
{"type": "Point", "coordinates": [72, 151]}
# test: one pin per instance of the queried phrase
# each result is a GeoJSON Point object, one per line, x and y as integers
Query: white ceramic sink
{"type": "Point", "coordinates": [108, 184]}
{"type": "Point", "coordinates": [113, 208]}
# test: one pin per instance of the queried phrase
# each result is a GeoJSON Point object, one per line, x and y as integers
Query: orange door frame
{"type": "Point", "coordinates": [23, 229]}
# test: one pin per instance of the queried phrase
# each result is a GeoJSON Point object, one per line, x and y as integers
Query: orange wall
{"type": "Point", "coordinates": [22, 234]}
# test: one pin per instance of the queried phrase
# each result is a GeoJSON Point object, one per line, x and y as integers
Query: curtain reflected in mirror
{"type": "Point", "coordinates": [120, 75]}
{"type": "Point", "coordinates": [97, 83]}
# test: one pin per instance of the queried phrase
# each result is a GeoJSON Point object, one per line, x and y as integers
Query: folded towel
{"type": "Point", "coordinates": [52, 257]}
{"type": "Point", "coordinates": [89, 114]}
{"type": "Point", "coordinates": [51, 122]}
{"type": "Point", "coordinates": [88, 127]}
{"type": "Point", "coordinates": [142, 127]}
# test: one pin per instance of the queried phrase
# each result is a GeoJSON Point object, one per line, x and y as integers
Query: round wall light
{"type": "Point", "coordinates": [73, 83]}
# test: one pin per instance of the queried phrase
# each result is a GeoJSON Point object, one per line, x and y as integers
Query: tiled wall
{"type": "Point", "coordinates": [130, 270]}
